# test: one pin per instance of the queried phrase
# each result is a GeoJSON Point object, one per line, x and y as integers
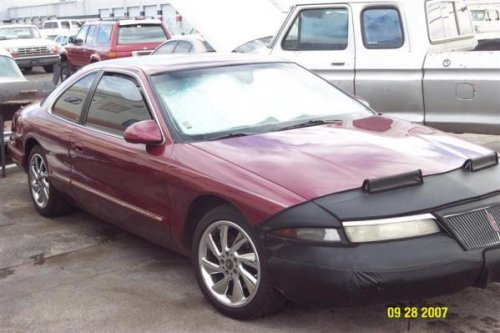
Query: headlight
{"type": "Point", "coordinates": [391, 228]}
{"type": "Point", "coordinates": [12, 49]}
{"type": "Point", "coordinates": [54, 49]}
{"type": "Point", "coordinates": [309, 234]}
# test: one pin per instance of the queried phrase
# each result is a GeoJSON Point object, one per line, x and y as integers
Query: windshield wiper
{"type": "Point", "coordinates": [232, 135]}
{"type": "Point", "coordinates": [312, 122]}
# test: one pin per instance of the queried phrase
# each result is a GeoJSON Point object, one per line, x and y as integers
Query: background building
{"type": "Point", "coordinates": [38, 11]}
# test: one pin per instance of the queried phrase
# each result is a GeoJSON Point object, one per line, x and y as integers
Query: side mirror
{"type": "Point", "coordinates": [146, 132]}
{"type": "Point", "coordinates": [71, 40]}
{"type": "Point", "coordinates": [78, 41]}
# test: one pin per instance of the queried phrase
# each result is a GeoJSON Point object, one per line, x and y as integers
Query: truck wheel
{"type": "Point", "coordinates": [65, 71]}
{"type": "Point", "coordinates": [230, 266]}
{"type": "Point", "coordinates": [47, 200]}
{"type": "Point", "coordinates": [49, 68]}
{"type": "Point", "coordinates": [28, 69]}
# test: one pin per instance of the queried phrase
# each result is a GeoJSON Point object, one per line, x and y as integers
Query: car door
{"type": "Point", "coordinates": [89, 44]}
{"type": "Point", "coordinates": [67, 110]}
{"type": "Point", "coordinates": [388, 74]}
{"type": "Point", "coordinates": [120, 181]}
{"type": "Point", "coordinates": [76, 51]}
{"type": "Point", "coordinates": [321, 39]}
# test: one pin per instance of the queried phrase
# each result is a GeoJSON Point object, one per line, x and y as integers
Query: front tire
{"type": "Point", "coordinates": [45, 197]}
{"type": "Point", "coordinates": [49, 68]}
{"type": "Point", "coordinates": [230, 266]}
{"type": "Point", "coordinates": [65, 70]}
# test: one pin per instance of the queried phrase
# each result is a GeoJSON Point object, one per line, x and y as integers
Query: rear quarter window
{"type": "Point", "coordinates": [139, 34]}
{"type": "Point", "coordinates": [382, 28]}
{"type": "Point", "coordinates": [70, 104]}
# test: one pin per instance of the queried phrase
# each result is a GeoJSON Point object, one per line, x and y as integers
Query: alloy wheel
{"type": "Point", "coordinates": [229, 264]}
{"type": "Point", "coordinates": [39, 180]}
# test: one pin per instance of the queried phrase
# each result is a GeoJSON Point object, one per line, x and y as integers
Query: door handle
{"type": "Point", "coordinates": [340, 63]}
{"type": "Point", "coordinates": [78, 147]}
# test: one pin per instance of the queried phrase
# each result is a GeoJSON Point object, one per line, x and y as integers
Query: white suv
{"type": "Point", "coordinates": [26, 45]}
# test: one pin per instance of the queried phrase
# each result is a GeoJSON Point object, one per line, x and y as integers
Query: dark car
{"type": "Point", "coordinates": [277, 184]}
{"type": "Point", "coordinates": [15, 92]}
{"type": "Point", "coordinates": [109, 39]}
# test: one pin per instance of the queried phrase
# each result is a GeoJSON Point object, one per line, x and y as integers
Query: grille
{"type": "Point", "coordinates": [33, 51]}
{"type": "Point", "coordinates": [477, 228]}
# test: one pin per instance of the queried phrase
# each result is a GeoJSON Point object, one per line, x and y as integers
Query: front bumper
{"type": "Point", "coordinates": [37, 61]}
{"type": "Point", "coordinates": [388, 272]}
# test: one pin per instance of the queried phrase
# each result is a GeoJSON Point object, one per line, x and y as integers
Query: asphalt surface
{"type": "Point", "coordinates": [79, 273]}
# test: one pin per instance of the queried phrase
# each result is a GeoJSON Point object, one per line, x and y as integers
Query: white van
{"type": "Point", "coordinates": [52, 28]}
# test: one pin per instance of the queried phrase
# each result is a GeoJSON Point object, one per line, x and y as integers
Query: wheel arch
{"type": "Point", "coordinates": [196, 210]}
{"type": "Point", "coordinates": [28, 145]}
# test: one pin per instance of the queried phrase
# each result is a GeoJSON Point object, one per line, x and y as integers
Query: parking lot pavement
{"type": "Point", "coordinates": [78, 273]}
{"type": "Point", "coordinates": [37, 74]}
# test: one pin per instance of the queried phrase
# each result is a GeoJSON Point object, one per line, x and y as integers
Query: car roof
{"type": "Point", "coordinates": [190, 37]}
{"type": "Point", "coordinates": [154, 64]}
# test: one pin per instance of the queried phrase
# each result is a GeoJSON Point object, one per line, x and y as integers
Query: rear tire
{"type": "Point", "coordinates": [28, 69]}
{"type": "Point", "coordinates": [230, 266]}
{"type": "Point", "coordinates": [49, 68]}
{"type": "Point", "coordinates": [45, 197]}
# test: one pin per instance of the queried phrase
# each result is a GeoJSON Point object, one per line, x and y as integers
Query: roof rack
{"type": "Point", "coordinates": [121, 18]}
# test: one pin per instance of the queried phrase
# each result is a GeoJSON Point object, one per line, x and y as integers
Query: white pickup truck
{"type": "Point", "coordinates": [408, 58]}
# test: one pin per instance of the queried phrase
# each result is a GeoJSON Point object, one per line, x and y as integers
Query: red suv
{"type": "Point", "coordinates": [101, 40]}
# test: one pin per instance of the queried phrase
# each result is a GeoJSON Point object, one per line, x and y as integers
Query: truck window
{"type": "Point", "coordinates": [82, 34]}
{"type": "Point", "coordinates": [477, 15]}
{"type": "Point", "coordinates": [104, 34]}
{"type": "Point", "coordinates": [65, 24]}
{"type": "Point", "coordinates": [448, 20]}
{"type": "Point", "coordinates": [90, 35]}
{"type": "Point", "coordinates": [382, 28]}
{"type": "Point", "coordinates": [319, 29]}
{"type": "Point", "coordinates": [141, 33]}
{"type": "Point", "coordinates": [50, 25]}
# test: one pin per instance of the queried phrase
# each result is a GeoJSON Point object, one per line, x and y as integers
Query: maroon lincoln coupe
{"type": "Point", "coordinates": [276, 183]}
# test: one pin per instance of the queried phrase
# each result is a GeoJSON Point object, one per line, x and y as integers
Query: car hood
{"type": "Point", "coordinates": [320, 160]}
{"type": "Point", "coordinates": [228, 24]}
{"type": "Point", "coordinates": [28, 42]}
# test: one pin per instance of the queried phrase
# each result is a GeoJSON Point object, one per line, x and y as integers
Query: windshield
{"type": "Point", "coordinates": [19, 33]}
{"type": "Point", "coordinates": [9, 69]}
{"type": "Point", "coordinates": [208, 103]}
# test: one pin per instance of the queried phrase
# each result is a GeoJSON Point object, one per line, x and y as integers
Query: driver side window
{"type": "Point", "coordinates": [80, 37]}
{"type": "Point", "coordinates": [117, 103]}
